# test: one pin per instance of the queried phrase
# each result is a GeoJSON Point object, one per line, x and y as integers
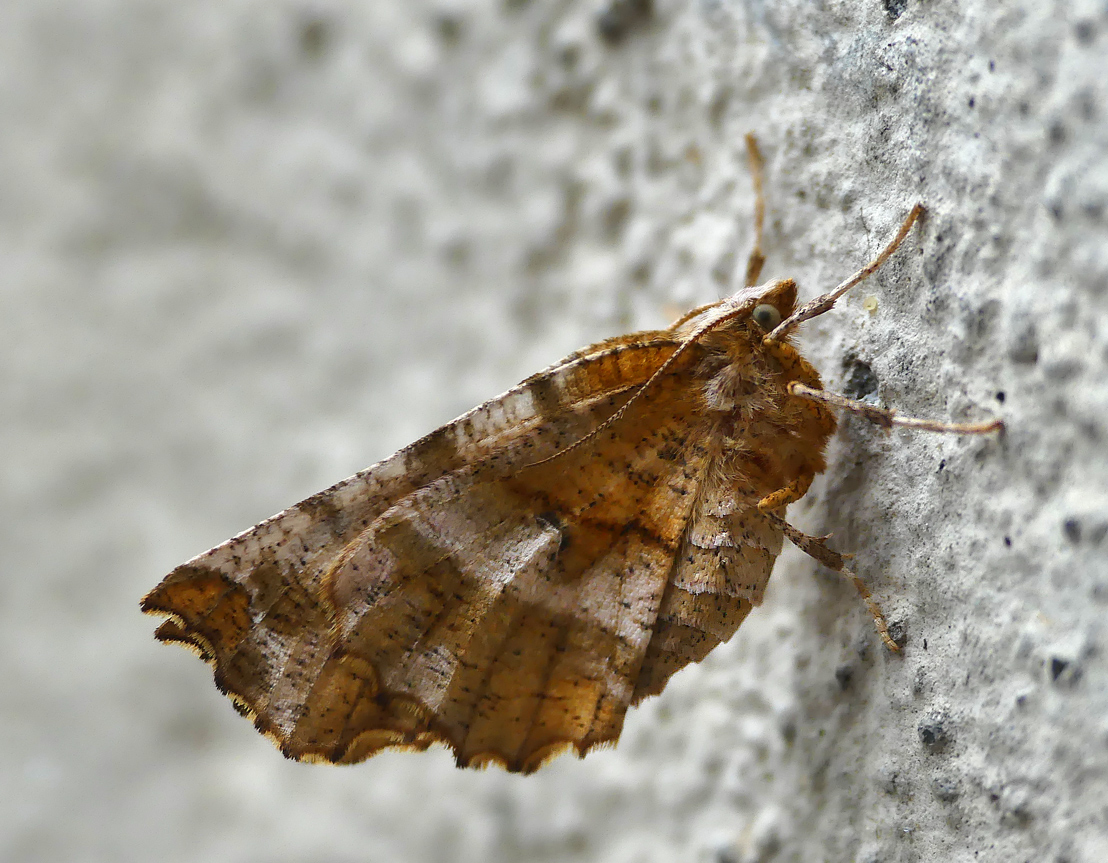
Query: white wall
{"type": "Point", "coordinates": [251, 246]}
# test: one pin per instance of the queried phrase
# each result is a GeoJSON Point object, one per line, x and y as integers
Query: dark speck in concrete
{"type": "Point", "coordinates": [622, 17]}
{"type": "Point", "coordinates": [860, 379]}
{"type": "Point", "coordinates": [934, 732]}
{"type": "Point", "coordinates": [895, 8]}
{"type": "Point", "coordinates": [1085, 32]}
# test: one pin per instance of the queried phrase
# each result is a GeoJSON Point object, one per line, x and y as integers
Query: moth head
{"type": "Point", "coordinates": [770, 304]}
{"type": "Point", "coordinates": [760, 308]}
{"type": "Point", "coordinates": [752, 311]}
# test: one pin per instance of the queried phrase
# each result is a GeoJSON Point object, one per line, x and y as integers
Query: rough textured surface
{"type": "Point", "coordinates": [251, 247]}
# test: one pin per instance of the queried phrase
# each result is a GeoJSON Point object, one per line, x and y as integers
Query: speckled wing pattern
{"type": "Point", "coordinates": [471, 592]}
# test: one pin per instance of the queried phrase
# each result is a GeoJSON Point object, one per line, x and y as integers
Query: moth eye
{"type": "Point", "coordinates": [766, 316]}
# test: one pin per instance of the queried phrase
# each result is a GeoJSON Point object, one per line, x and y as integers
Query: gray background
{"type": "Point", "coordinates": [248, 247]}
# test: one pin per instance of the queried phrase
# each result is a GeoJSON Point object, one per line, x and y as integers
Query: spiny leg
{"type": "Point", "coordinates": [825, 302]}
{"type": "Point", "coordinates": [816, 548]}
{"type": "Point", "coordinates": [757, 258]}
{"type": "Point", "coordinates": [888, 419]}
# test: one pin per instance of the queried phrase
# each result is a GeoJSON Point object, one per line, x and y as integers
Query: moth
{"type": "Point", "coordinates": [511, 583]}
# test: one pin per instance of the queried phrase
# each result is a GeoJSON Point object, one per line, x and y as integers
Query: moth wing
{"type": "Point", "coordinates": [719, 576]}
{"type": "Point", "coordinates": [267, 607]}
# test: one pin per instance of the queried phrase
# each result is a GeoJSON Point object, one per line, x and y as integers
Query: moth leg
{"type": "Point", "coordinates": [825, 302]}
{"type": "Point", "coordinates": [757, 259]}
{"type": "Point", "coordinates": [816, 548]}
{"type": "Point", "coordinates": [791, 493]}
{"type": "Point", "coordinates": [888, 419]}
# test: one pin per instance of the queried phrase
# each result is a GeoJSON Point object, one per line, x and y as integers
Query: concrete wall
{"type": "Point", "coordinates": [251, 246]}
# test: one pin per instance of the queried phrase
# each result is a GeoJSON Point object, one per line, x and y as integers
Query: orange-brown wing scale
{"type": "Point", "coordinates": [467, 592]}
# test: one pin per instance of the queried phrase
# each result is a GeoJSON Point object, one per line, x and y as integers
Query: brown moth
{"type": "Point", "coordinates": [511, 583]}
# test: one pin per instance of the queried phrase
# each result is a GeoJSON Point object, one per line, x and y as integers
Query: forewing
{"type": "Point", "coordinates": [281, 646]}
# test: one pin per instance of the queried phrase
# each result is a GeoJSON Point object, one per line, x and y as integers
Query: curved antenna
{"type": "Point", "coordinates": [756, 164]}
{"type": "Point", "coordinates": [825, 302]}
